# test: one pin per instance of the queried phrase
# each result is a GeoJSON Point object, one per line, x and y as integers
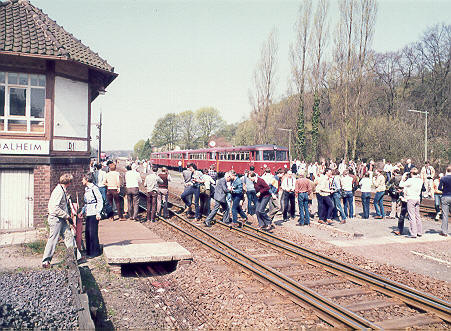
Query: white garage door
{"type": "Point", "coordinates": [16, 199]}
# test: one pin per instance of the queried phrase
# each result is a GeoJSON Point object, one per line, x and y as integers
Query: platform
{"type": "Point", "coordinates": [127, 242]}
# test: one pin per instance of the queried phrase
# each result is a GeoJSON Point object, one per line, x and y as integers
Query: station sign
{"type": "Point", "coordinates": [24, 146]}
{"type": "Point", "coordinates": [70, 145]}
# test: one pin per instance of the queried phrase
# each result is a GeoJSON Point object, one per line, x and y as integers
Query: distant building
{"type": "Point", "coordinates": [48, 80]}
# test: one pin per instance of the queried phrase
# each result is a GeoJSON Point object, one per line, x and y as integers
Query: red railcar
{"type": "Point", "coordinates": [238, 158]}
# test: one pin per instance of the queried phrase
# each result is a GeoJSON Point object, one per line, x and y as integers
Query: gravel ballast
{"type": "Point", "coordinates": [37, 299]}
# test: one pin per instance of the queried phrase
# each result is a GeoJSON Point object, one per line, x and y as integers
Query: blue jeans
{"type": "Point", "coordinates": [236, 207]}
{"type": "Point", "coordinates": [251, 202]}
{"type": "Point", "coordinates": [260, 211]}
{"type": "Point", "coordinates": [336, 196]}
{"type": "Point", "coordinates": [187, 198]}
{"type": "Point", "coordinates": [366, 204]}
{"type": "Point", "coordinates": [304, 215]}
{"type": "Point", "coordinates": [327, 208]}
{"type": "Point", "coordinates": [437, 202]}
{"type": "Point", "coordinates": [378, 203]}
{"type": "Point", "coordinates": [319, 199]}
{"type": "Point", "coordinates": [348, 201]}
{"type": "Point", "coordinates": [103, 192]}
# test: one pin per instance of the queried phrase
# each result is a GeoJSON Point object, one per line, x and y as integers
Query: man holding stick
{"type": "Point", "coordinates": [59, 220]}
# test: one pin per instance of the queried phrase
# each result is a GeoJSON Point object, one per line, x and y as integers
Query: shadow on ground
{"type": "Point", "coordinates": [96, 303]}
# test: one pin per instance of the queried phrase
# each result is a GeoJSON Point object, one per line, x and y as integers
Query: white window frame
{"type": "Point", "coordinates": [6, 112]}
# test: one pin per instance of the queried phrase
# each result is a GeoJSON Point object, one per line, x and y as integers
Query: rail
{"type": "Point", "coordinates": [405, 293]}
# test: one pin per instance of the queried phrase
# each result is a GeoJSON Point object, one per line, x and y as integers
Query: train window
{"type": "Point", "coordinates": [212, 156]}
{"type": "Point", "coordinates": [258, 155]}
{"type": "Point", "coordinates": [281, 155]}
{"type": "Point", "coordinates": [246, 156]}
{"type": "Point", "coordinates": [269, 156]}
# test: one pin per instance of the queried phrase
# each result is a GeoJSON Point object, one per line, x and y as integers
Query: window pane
{"type": "Point", "coordinates": [17, 125]}
{"type": "Point", "coordinates": [268, 156]}
{"type": "Point", "coordinates": [12, 78]}
{"type": "Point", "coordinates": [17, 100]}
{"type": "Point", "coordinates": [41, 80]}
{"type": "Point", "coordinates": [2, 101]}
{"type": "Point", "coordinates": [2, 125]}
{"type": "Point", "coordinates": [281, 155]}
{"type": "Point", "coordinates": [37, 102]}
{"type": "Point", "coordinates": [23, 79]}
{"type": "Point", "coordinates": [34, 80]}
{"type": "Point", "coordinates": [37, 126]}
{"type": "Point", "coordinates": [2, 77]}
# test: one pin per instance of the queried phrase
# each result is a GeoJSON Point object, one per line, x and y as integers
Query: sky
{"type": "Point", "coordinates": [173, 56]}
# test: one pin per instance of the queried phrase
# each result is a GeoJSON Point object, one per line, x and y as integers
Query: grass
{"type": "Point", "coordinates": [36, 247]}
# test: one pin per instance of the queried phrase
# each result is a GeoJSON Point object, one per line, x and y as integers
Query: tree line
{"type": "Point", "coordinates": [355, 103]}
{"type": "Point", "coordinates": [188, 129]}
{"type": "Point", "coordinates": [345, 100]}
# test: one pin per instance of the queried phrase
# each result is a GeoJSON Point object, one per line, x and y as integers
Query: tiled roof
{"type": "Point", "coordinates": [25, 29]}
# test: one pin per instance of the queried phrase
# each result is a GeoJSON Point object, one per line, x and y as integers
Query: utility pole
{"type": "Point", "coordinates": [289, 140]}
{"type": "Point", "coordinates": [99, 137]}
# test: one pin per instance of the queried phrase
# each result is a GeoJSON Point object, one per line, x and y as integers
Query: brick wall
{"type": "Point", "coordinates": [42, 192]}
{"type": "Point", "coordinates": [46, 177]}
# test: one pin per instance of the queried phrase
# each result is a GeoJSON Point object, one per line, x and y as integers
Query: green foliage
{"type": "Point", "coordinates": [209, 122]}
{"type": "Point", "coordinates": [137, 149]}
{"type": "Point", "coordinates": [245, 133]}
{"type": "Point", "coordinates": [315, 126]}
{"type": "Point", "coordinates": [166, 132]}
{"type": "Point", "coordinates": [36, 247]}
{"type": "Point", "coordinates": [300, 141]}
{"type": "Point", "coordinates": [189, 130]}
{"type": "Point", "coordinates": [228, 132]}
{"type": "Point", "coordinates": [146, 151]}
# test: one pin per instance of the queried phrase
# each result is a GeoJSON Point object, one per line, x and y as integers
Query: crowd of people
{"type": "Point", "coordinates": [261, 195]}
{"type": "Point", "coordinates": [332, 185]}
{"type": "Point", "coordinates": [103, 184]}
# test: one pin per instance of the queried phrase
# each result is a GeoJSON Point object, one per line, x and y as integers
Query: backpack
{"type": "Point", "coordinates": [107, 210]}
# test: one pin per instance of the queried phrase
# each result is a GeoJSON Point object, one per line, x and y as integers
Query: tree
{"type": "Point", "coordinates": [264, 85]}
{"type": "Point", "coordinates": [166, 132]}
{"type": "Point", "coordinates": [299, 64]}
{"type": "Point", "coordinates": [228, 132]}
{"type": "Point", "coordinates": [353, 40]}
{"type": "Point", "coordinates": [209, 121]}
{"type": "Point", "coordinates": [146, 150]}
{"type": "Point", "coordinates": [318, 40]}
{"type": "Point", "coordinates": [189, 129]}
{"type": "Point", "coordinates": [137, 149]}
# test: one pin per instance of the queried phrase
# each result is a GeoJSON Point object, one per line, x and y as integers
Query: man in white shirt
{"type": "Point", "coordinates": [342, 167]}
{"type": "Point", "coordinates": [288, 195]}
{"type": "Point", "coordinates": [427, 175]}
{"type": "Point", "coordinates": [100, 180]}
{"type": "Point", "coordinates": [313, 170]}
{"type": "Point", "coordinates": [302, 167]}
{"type": "Point", "coordinates": [388, 168]}
{"type": "Point", "coordinates": [132, 181]}
{"type": "Point", "coordinates": [412, 194]}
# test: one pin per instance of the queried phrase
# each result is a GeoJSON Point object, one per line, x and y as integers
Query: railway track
{"type": "Point", "coordinates": [330, 287]}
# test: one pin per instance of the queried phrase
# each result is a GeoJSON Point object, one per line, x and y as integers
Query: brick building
{"type": "Point", "coordinates": [48, 80]}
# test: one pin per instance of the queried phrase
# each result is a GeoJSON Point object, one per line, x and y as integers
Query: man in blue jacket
{"type": "Point", "coordinates": [221, 191]}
